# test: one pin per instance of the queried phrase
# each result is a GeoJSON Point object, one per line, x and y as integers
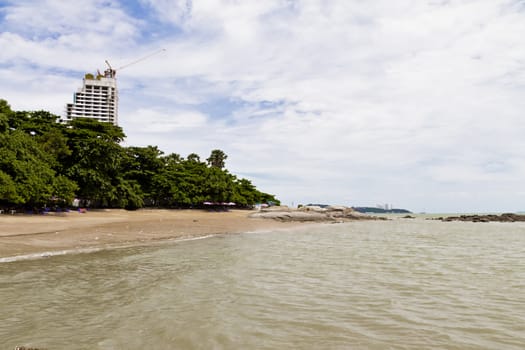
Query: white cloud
{"type": "Point", "coordinates": [154, 121]}
{"type": "Point", "coordinates": [61, 21]}
{"type": "Point", "coordinates": [174, 11]}
{"type": "Point", "coordinates": [28, 88]}
{"type": "Point", "coordinates": [65, 35]}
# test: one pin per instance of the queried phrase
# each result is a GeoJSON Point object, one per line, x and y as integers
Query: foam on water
{"type": "Point", "coordinates": [48, 254]}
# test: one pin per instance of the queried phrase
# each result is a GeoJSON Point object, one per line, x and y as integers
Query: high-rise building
{"type": "Point", "coordinates": [97, 99]}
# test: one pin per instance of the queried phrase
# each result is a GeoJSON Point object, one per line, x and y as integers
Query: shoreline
{"type": "Point", "coordinates": [38, 236]}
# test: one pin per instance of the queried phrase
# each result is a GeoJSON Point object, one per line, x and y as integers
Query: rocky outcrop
{"type": "Point", "coordinates": [313, 214]}
{"type": "Point", "coordinates": [507, 217]}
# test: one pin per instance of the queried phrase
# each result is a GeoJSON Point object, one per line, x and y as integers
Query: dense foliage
{"type": "Point", "coordinates": [45, 163]}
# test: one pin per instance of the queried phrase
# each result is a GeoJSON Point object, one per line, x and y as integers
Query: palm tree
{"type": "Point", "coordinates": [217, 158]}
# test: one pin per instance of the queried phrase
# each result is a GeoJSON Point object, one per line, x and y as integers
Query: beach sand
{"type": "Point", "coordinates": [23, 235]}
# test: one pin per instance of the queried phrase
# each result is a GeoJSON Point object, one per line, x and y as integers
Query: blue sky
{"type": "Point", "coordinates": [414, 103]}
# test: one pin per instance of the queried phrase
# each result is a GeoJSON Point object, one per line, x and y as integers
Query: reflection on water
{"type": "Point", "coordinates": [401, 284]}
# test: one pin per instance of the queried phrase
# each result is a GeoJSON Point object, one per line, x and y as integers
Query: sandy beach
{"type": "Point", "coordinates": [22, 235]}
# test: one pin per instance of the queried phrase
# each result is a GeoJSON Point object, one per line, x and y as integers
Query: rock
{"type": "Point", "coordinates": [313, 214]}
{"type": "Point", "coordinates": [277, 208]}
{"type": "Point", "coordinates": [313, 208]}
{"type": "Point", "coordinates": [337, 208]}
{"type": "Point", "coordinates": [292, 216]}
{"type": "Point", "coordinates": [506, 217]}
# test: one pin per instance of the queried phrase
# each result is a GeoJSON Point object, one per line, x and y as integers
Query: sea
{"type": "Point", "coordinates": [395, 284]}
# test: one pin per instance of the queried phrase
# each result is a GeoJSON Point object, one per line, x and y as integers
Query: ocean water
{"type": "Point", "coordinates": [399, 284]}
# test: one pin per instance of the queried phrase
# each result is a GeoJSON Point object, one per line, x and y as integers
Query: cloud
{"type": "Point", "coordinates": [160, 122]}
{"type": "Point", "coordinates": [338, 101]}
{"type": "Point", "coordinates": [70, 24]}
{"type": "Point", "coordinates": [172, 11]}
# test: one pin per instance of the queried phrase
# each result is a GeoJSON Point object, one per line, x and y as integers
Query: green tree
{"type": "Point", "coordinates": [218, 185]}
{"type": "Point", "coordinates": [26, 172]}
{"type": "Point", "coordinates": [54, 142]}
{"type": "Point", "coordinates": [5, 107]}
{"type": "Point", "coordinates": [142, 165]}
{"type": "Point", "coordinates": [5, 113]}
{"type": "Point", "coordinates": [165, 188]}
{"type": "Point", "coordinates": [245, 193]}
{"type": "Point", "coordinates": [8, 190]}
{"type": "Point", "coordinates": [189, 177]}
{"type": "Point", "coordinates": [35, 122]}
{"type": "Point", "coordinates": [193, 158]}
{"type": "Point", "coordinates": [95, 163]}
{"type": "Point", "coordinates": [217, 159]}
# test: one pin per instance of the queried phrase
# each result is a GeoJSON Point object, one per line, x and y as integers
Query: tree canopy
{"type": "Point", "coordinates": [44, 163]}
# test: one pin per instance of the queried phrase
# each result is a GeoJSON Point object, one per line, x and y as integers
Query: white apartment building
{"type": "Point", "coordinates": [97, 99]}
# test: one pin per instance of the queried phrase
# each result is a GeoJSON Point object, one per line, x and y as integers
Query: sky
{"type": "Point", "coordinates": [418, 104]}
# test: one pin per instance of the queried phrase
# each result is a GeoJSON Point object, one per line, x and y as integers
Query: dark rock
{"type": "Point", "coordinates": [506, 217]}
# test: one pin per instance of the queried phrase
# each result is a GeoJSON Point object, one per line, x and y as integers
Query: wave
{"type": "Point", "coordinates": [49, 254]}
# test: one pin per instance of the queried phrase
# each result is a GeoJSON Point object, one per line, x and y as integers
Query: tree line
{"type": "Point", "coordinates": [46, 163]}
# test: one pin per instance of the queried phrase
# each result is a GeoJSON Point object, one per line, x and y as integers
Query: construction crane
{"type": "Point", "coordinates": [111, 72]}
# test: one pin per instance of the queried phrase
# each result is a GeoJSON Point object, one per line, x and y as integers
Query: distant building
{"type": "Point", "coordinates": [97, 99]}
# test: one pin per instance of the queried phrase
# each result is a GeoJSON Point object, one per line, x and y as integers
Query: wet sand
{"type": "Point", "coordinates": [22, 235]}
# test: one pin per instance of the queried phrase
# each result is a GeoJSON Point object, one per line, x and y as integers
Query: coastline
{"type": "Point", "coordinates": [44, 235]}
